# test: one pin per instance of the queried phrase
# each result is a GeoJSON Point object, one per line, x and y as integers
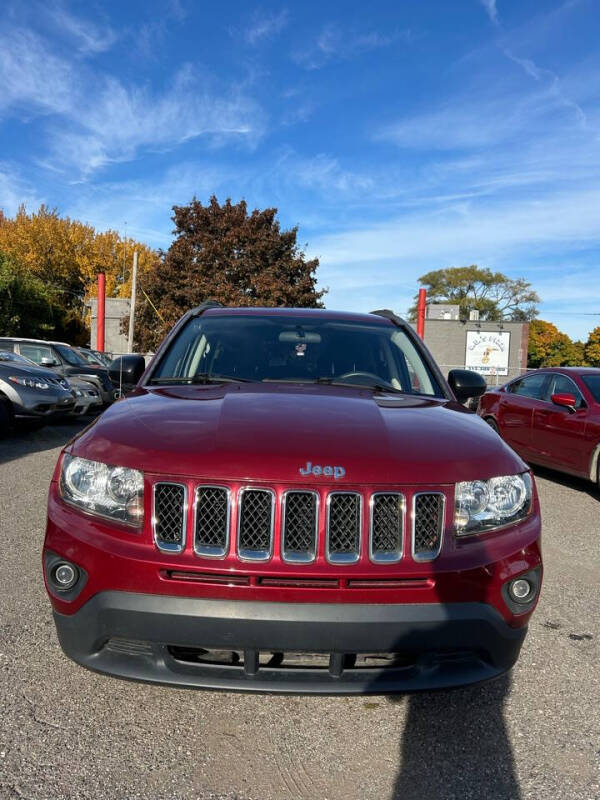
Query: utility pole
{"type": "Point", "coordinates": [132, 303]}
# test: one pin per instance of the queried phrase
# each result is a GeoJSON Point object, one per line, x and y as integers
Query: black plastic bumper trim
{"type": "Point", "coordinates": [489, 646]}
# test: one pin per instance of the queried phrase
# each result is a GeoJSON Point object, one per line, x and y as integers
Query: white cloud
{"type": "Point", "coordinates": [96, 119]}
{"type": "Point", "coordinates": [264, 26]}
{"type": "Point", "coordinates": [119, 121]}
{"type": "Point", "coordinates": [492, 11]}
{"type": "Point", "coordinates": [14, 191]}
{"type": "Point", "coordinates": [471, 233]}
{"type": "Point", "coordinates": [335, 44]}
{"type": "Point", "coordinates": [33, 79]}
{"type": "Point", "coordinates": [89, 36]}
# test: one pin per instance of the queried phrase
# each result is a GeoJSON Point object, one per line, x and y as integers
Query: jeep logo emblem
{"type": "Point", "coordinates": [328, 471]}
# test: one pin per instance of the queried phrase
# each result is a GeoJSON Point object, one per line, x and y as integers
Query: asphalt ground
{"type": "Point", "coordinates": [69, 733]}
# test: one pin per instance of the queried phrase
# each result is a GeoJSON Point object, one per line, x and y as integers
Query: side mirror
{"type": "Point", "coordinates": [566, 400]}
{"type": "Point", "coordinates": [48, 362]}
{"type": "Point", "coordinates": [465, 383]}
{"type": "Point", "coordinates": [127, 370]}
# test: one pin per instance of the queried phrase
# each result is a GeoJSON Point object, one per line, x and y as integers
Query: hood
{"type": "Point", "coordinates": [8, 368]}
{"type": "Point", "coordinates": [279, 433]}
{"type": "Point", "coordinates": [270, 432]}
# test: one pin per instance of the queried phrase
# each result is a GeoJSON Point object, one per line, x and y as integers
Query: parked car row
{"type": "Point", "coordinates": [41, 380]}
{"type": "Point", "coordinates": [551, 417]}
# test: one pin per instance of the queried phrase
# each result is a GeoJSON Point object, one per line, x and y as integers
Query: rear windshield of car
{"type": "Point", "coordinates": [270, 348]}
{"type": "Point", "coordinates": [593, 384]}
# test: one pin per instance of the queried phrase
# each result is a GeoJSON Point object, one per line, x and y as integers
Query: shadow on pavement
{"type": "Point", "coordinates": [568, 481]}
{"type": "Point", "coordinates": [22, 442]}
{"type": "Point", "coordinates": [456, 746]}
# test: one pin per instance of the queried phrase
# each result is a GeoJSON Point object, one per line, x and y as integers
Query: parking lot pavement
{"type": "Point", "coordinates": [68, 733]}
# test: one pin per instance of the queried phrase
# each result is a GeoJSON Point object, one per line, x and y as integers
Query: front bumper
{"type": "Point", "coordinates": [273, 647]}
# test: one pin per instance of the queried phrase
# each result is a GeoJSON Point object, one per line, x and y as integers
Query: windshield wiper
{"type": "Point", "coordinates": [377, 387]}
{"type": "Point", "coordinates": [201, 377]}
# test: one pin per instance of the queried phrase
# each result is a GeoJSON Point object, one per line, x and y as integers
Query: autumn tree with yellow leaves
{"type": "Point", "coordinates": [66, 256]}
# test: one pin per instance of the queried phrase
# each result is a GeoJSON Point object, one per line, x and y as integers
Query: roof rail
{"type": "Point", "coordinates": [385, 312]}
{"type": "Point", "coordinates": [196, 312]}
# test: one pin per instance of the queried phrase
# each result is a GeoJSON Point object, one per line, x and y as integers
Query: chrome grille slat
{"type": "Point", "coordinates": [255, 524]}
{"type": "Point", "coordinates": [427, 525]}
{"type": "Point", "coordinates": [386, 527]}
{"type": "Point", "coordinates": [169, 515]}
{"type": "Point", "coordinates": [344, 516]}
{"type": "Point", "coordinates": [212, 521]}
{"type": "Point", "coordinates": [300, 521]}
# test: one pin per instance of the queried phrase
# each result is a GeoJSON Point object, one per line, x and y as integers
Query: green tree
{"type": "Point", "coordinates": [27, 306]}
{"type": "Point", "coordinates": [224, 253]}
{"type": "Point", "coordinates": [549, 347]}
{"type": "Point", "coordinates": [592, 348]}
{"type": "Point", "coordinates": [496, 296]}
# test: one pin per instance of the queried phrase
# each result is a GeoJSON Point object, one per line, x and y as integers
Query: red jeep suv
{"type": "Point", "coordinates": [293, 500]}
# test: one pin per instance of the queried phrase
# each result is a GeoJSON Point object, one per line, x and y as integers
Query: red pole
{"type": "Point", "coordinates": [101, 312]}
{"type": "Point", "coordinates": [421, 312]}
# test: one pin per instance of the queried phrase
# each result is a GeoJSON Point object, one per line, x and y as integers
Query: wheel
{"type": "Point", "coordinates": [5, 417]}
{"type": "Point", "coordinates": [493, 424]}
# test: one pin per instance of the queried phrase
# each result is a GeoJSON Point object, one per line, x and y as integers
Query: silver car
{"type": "Point", "coordinates": [30, 393]}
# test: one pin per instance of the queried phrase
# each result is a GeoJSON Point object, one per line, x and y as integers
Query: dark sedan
{"type": "Point", "coordinates": [550, 417]}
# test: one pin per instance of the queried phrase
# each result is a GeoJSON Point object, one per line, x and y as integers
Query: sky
{"type": "Point", "coordinates": [400, 137]}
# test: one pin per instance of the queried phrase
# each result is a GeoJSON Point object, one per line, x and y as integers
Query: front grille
{"type": "Point", "coordinates": [255, 524]}
{"type": "Point", "coordinates": [387, 527]}
{"type": "Point", "coordinates": [211, 521]}
{"type": "Point", "coordinates": [300, 521]}
{"type": "Point", "coordinates": [343, 527]}
{"type": "Point", "coordinates": [170, 506]}
{"type": "Point", "coordinates": [428, 525]}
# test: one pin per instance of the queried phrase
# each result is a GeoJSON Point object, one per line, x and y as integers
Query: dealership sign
{"type": "Point", "coordinates": [487, 352]}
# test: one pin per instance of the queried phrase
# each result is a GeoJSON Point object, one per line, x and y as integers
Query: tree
{"type": "Point", "coordinates": [67, 255]}
{"type": "Point", "coordinates": [549, 347]}
{"type": "Point", "coordinates": [27, 305]}
{"type": "Point", "coordinates": [592, 348]}
{"type": "Point", "coordinates": [496, 296]}
{"type": "Point", "coordinates": [224, 253]}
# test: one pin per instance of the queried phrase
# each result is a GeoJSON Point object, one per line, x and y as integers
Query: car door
{"type": "Point", "coordinates": [559, 433]}
{"type": "Point", "coordinates": [515, 415]}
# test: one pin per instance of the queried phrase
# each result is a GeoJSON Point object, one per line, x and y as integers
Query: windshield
{"type": "Point", "coordinates": [71, 356]}
{"type": "Point", "coordinates": [593, 384]}
{"type": "Point", "coordinates": [89, 357]}
{"type": "Point", "coordinates": [270, 348]}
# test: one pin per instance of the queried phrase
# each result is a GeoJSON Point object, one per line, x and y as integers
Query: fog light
{"type": "Point", "coordinates": [65, 576]}
{"type": "Point", "coordinates": [520, 590]}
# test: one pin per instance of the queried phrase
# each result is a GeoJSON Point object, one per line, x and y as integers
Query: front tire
{"type": "Point", "coordinates": [493, 424]}
{"type": "Point", "coordinates": [6, 420]}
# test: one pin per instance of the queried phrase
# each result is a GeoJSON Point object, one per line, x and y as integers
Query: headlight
{"type": "Point", "coordinates": [482, 506]}
{"type": "Point", "coordinates": [31, 383]}
{"type": "Point", "coordinates": [113, 492]}
{"type": "Point", "coordinates": [65, 383]}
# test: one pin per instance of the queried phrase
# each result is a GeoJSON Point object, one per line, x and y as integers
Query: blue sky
{"type": "Point", "coordinates": [399, 136]}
